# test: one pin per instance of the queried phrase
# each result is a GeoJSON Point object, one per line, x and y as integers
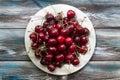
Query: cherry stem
{"type": "Point", "coordinates": [83, 20]}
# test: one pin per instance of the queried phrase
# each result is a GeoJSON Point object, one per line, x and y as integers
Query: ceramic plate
{"type": "Point", "coordinates": [37, 19]}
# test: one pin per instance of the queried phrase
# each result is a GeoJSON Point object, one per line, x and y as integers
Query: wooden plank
{"type": "Point", "coordinates": [20, 13]}
{"type": "Point", "coordinates": [12, 44]}
{"type": "Point", "coordinates": [95, 70]}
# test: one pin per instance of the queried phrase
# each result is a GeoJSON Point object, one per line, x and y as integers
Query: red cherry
{"type": "Point", "coordinates": [52, 49]}
{"type": "Point", "coordinates": [52, 42]}
{"type": "Point", "coordinates": [61, 39]}
{"type": "Point", "coordinates": [34, 45]}
{"type": "Point", "coordinates": [59, 58]}
{"type": "Point", "coordinates": [74, 23]}
{"type": "Point", "coordinates": [49, 28]}
{"type": "Point", "coordinates": [43, 61]}
{"type": "Point", "coordinates": [41, 35]}
{"type": "Point", "coordinates": [86, 31]}
{"type": "Point", "coordinates": [72, 48]}
{"type": "Point", "coordinates": [45, 24]}
{"type": "Point", "coordinates": [49, 17]}
{"type": "Point", "coordinates": [49, 57]}
{"type": "Point", "coordinates": [79, 30]}
{"type": "Point", "coordinates": [69, 57]}
{"type": "Point", "coordinates": [83, 49]}
{"type": "Point", "coordinates": [33, 37]}
{"type": "Point", "coordinates": [70, 28]}
{"type": "Point", "coordinates": [70, 14]}
{"type": "Point", "coordinates": [64, 32]}
{"type": "Point", "coordinates": [46, 37]}
{"type": "Point", "coordinates": [58, 64]}
{"type": "Point", "coordinates": [51, 67]}
{"type": "Point", "coordinates": [75, 62]}
{"type": "Point", "coordinates": [39, 41]}
{"type": "Point", "coordinates": [61, 47]}
{"type": "Point", "coordinates": [83, 40]}
{"type": "Point", "coordinates": [54, 33]}
{"type": "Point", "coordinates": [77, 39]}
{"type": "Point", "coordinates": [59, 27]}
{"type": "Point", "coordinates": [68, 41]}
{"type": "Point", "coordinates": [65, 20]}
{"type": "Point", "coordinates": [37, 53]}
{"type": "Point", "coordinates": [38, 28]}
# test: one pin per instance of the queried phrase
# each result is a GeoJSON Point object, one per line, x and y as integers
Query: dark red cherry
{"type": "Point", "coordinates": [50, 28]}
{"type": "Point", "coordinates": [70, 28]}
{"type": "Point", "coordinates": [39, 41]}
{"type": "Point", "coordinates": [49, 17]}
{"type": "Point", "coordinates": [76, 62]}
{"type": "Point", "coordinates": [69, 57]}
{"type": "Point", "coordinates": [54, 33]}
{"type": "Point", "coordinates": [61, 47]}
{"type": "Point", "coordinates": [83, 49]}
{"type": "Point", "coordinates": [52, 49]}
{"type": "Point", "coordinates": [59, 58]}
{"type": "Point", "coordinates": [58, 26]}
{"type": "Point", "coordinates": [72, 48]}
{"type": "Point", "coordinates": [86, 31]}
{"type": "Point", "coordinates": [38, 29]}
{"type": "Point", "coordinates": [43, 61]}
{"type": "Point", "coordinates": [41, 35]}
{"type": "Point", "coordinates": [74, 23]}
{"type": "Point", "coordinates": [77, 39]}
{"type": "Point", "coordinates": [64, 32]}
{"type": "Point", "coordinates": [45, 24]}
{"type": "Point", "coordinates": [58, 64]}
{"type": "Point", "coordinates": [51, 67]}
{"type": "Point", "coordinates": [70, 14]}
{"type": "Point", "coordinates": [79, 30]}
{"type": "Point", "coordinates": [33, 37]}
{"type": "Point", "coordinates": [34, 45]}
{"type": "Point", "coordinates": [52, 42]}
{"type": "Point", "coordinates": [49, 57]}
{"type": "Point", "coordinates": [83, 40]}
{"type": "Point", "coordinates": [60, 39]}
{"type": "Point", "coordinates": [68, 41]}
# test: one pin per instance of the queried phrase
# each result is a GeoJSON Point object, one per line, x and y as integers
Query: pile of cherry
{"type": "Point", "coordinates": [59, 40]}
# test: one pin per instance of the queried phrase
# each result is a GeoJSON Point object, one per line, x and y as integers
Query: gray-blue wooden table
{"type": "Point", "coordinates": [16, 65]}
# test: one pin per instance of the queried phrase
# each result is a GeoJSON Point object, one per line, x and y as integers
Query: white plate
{"type": "Point", "coordinates": [37, 18]}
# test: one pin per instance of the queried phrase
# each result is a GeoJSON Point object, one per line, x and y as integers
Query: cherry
{"type": "Point", "coordinates": [79, 30]}
{"type": "Point", "coordinates": [60, 39]}
{"type": "Point", "coordinates": [86, 31]}
{"type": "Point", "coordinates": [83, 40]}
{"type": "Point", "coordinates": [61, 47]}
{"type": "Point", "coordinates": [77, 39]}
{"type": "Point", "coordinates": [33, 37]}
{"type": "Point", "coordinates": [45, 24]}
{"type": "Point", "coordinates": [70, 28]}
{"type": "Point", "coordinates": [54, 33]}
{"type": "Point", "coordinates": [43, 61]}
{"type": "Point", "coordinates": [38, 28]}
{"type": "Point", "coordinates": [39, 41]}
{"type": "Point", "coordinates": [83, 49]}
{"type": "Point", "coordinates": [69, 57]}
{"type": "Point", "coordinates": [51, 67]}
{"type": "Point", "coordinates": [59, 58]}
{"type": "Point", "coordinates": [58, 26]}
{"type": "Point", "coordinates": [49, 28]}
{"type": "Point", "coordinates": [68, 41]}
{"type": "Point", "coordinates": [37, 53]}
{"type": "Point", "coordinates": [52, 49]}
{"type": "Point", "coordinates": [58, 64]}
{"type": "Point", "coordinates": [76, 62]}
{"type": "Point", "coordinates": [41, 35]}
{"type": "Point", "coordinates": [72, 48]}
{"type": "Point", "coordinates": [70, 14]}
{"type": "Point", "coordinates": [49, 17]}
{"type": "Point", "coordinates": [46, 37]}
{"type": "Point", "coordinates": [65, 20]}
{"type": "Point", "coordinates": [52, 42]}
{"type": "Point", "coordinates": [64, 32]}
{"type": "Point", "coordinates": [74, 23]}
{"type": "Point", "coordinates": [34, 45]}
{"type": "Point", "coordinates": [49, 57]}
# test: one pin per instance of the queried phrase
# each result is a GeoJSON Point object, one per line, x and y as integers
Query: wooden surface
{"type": "Point", "coordinates": [14, 17]}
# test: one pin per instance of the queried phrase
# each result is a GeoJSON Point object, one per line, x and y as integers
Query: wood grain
{"type": "Point", "coordinates": [18, 15]}
{"type": "Point", "coordinates": [97, 70]}
{"type": "Point", "coordinates": [12, 45]}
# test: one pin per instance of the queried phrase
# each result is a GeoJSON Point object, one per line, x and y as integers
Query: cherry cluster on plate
{"type": "Point", "coordinates": [59, 40]}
